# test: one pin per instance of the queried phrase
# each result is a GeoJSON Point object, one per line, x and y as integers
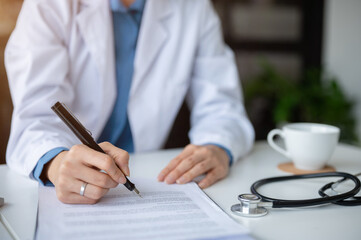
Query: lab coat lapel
{"type": "Point", "coordinates": [96, 27]}
{"type": "Point", "coordinates": [95, 24]}
{"type": "Point", "coordinates": [152, 37]}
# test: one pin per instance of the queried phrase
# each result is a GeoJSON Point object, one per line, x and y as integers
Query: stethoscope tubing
{"type": "Point", "coordinates": [356, 201]}
{"type": "Point", "coordinates": [325, 199]}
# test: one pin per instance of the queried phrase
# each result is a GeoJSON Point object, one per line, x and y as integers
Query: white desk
{"type": "Point", "coordinates": [327, 222]}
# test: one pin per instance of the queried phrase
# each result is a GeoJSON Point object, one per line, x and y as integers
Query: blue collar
{"type": "Point", "coordinates": [118, 6]}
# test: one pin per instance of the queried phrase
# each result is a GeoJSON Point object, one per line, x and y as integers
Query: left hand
{"type": "Point", "coordinates": [194, 161]}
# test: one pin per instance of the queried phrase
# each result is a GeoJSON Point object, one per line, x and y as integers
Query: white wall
{"type": "Point", "coordinates": [342, 47]}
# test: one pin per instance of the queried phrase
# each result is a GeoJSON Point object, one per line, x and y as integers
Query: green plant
{"type": "Point", "coordinates": [316, 97]}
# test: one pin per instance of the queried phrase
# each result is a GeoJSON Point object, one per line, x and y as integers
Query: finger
{"type": "Point", "coordinates": [99, 160]}
{"type": "Point", "coordinates": [68, 191]}
{"type": "Point", "coordinates": [183, 167]}
{"type": "Point", "coordinates": [199, 169]}
{"type": "Point", "coordinates": [211, 177]}
{"type": "Point", "coordinates": [188, 150]}
{"type": "Point", "coordinates": [120, 156]}
{"type": "Point", "coordinates": [73, 185]}
{"type": "Point", "coordinates": [95, 192]}
{"type": "Point", "coordinates": [93, 176]}
{"type": "Point", "coordinates": [91, 191]}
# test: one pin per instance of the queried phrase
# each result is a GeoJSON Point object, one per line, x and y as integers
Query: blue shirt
{"type": "Point", "coordinates": [126, 25]}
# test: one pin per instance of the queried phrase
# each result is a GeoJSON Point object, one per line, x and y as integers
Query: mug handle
{"type": "Point", "coordinates": [272, 143]}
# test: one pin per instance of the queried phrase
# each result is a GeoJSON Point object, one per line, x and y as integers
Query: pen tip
{"type": "Point", "coordinates": [137, 192]}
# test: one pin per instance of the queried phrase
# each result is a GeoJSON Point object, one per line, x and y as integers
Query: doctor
{"type": "Point", "coordinates": [124, 68]}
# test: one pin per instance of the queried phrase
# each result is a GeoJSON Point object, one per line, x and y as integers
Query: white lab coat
{"type": "Point", "coordinates": [63, 50]}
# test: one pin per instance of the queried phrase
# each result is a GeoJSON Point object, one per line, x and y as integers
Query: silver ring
{"type": "Point", "coordinates": [82, 189]}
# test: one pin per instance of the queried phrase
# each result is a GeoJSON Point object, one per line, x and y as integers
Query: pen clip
{"type": "Point", "coordinates": [76, 119]}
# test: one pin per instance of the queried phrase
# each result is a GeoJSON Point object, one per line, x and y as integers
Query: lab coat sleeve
{"type": "Point", "coordinates": [37, 65]}
{"type": "Point", "coordinates": [214, 97]}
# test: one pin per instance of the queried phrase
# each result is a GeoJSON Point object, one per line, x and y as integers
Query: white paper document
{"type": "Point", "coordinates": [164, 212]}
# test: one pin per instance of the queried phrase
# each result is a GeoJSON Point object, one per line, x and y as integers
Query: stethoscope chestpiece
{"type": "Point", "coordinates": [249, 206]}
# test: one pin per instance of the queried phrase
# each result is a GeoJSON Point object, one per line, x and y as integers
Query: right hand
{"type": "Point", "coordinates": [70, 169]}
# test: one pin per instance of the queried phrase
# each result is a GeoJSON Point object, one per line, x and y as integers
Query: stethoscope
{"type": "Point", "coordinates": [256, 204]}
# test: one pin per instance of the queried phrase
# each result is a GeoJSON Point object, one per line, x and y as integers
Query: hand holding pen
{"type": "Point", "coordinates": [75, 173]}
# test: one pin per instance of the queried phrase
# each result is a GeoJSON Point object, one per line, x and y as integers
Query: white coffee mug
{"type": "Point", "coordinates": [308, 145]}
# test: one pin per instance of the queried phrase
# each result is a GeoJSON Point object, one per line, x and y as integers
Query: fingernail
{"type": "Point", "coordinates": [160, 177]}
{"type": "Point", "coordinates": [181, 180]}
{"type": "Point", "coordinates": [169, 180]}
{"type": "Point", "coordinates": [201, 185]}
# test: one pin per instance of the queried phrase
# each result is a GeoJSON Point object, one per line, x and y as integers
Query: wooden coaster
{"type": "Point", "coordinates": [290, 168]}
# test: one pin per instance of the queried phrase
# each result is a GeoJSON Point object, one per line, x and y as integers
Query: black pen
{"type": "Point", "coordinates": [83, 134]}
